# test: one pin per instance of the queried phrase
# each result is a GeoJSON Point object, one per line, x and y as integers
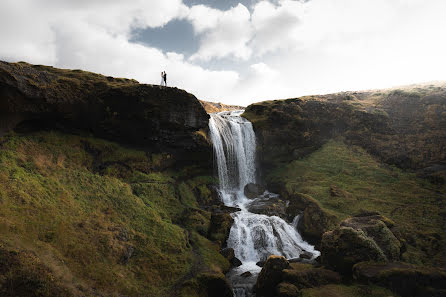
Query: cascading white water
{"type": "Point", "coordinates": [253, 236]}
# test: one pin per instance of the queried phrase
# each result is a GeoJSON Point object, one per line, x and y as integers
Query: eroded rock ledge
{"type": "Point", "coordinates": [35, 97]}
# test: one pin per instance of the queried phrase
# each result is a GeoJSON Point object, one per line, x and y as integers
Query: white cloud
{"type": "Point", "coordinates": [285, 48]}
{"type": "Point", "coordinates": [224, 33]}
{"type": "Point", "coordinates": [275, 25]}
{"type": "Point", "coordinates": [94, 35]}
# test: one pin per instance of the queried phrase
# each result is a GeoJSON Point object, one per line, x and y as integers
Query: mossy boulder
{"type": "Point", "coordinates": [402, 278]}
{"type": "Point", "coordinates": [287, 290]}
{"type": "Point", "coordinates": [377, 227]}
{"type": "Point", "coordinates": [270, 276]}
{"type": "Point", "coordinates": [314, 220]}
{"type": "Point", "coordinates": [308, 276]}
{"type": "Point", "coordinates": [344, 247]}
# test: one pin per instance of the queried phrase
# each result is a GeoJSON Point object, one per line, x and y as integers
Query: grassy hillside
{"type": "Point", "coordinates": [345, 180]}
{"type": "Point", "coordinates": [80, 216]}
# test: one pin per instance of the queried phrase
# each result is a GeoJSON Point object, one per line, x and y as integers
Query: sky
{"type": "Point", "coordinates": [235, 52]}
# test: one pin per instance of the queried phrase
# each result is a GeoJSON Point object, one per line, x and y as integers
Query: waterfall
{"type": "Point", "coordinates": [252, 236]}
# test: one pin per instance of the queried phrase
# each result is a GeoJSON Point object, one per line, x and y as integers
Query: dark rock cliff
{"type": "Point", "coordinates": [158, 118]}
{"type": "Point", "coordinates": [404, 127]}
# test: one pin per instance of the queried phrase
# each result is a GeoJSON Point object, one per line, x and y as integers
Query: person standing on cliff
{"type": "Point", "coordinates": [165, 78]}
{"type": "Point", "coordinates": [162, 78]}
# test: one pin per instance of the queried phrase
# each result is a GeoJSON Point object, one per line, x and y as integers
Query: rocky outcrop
{"type": "Point", "coordinates": [307, 276]}
{"type": "Point", "coordinates": [212, 107]}
{"type": "Point", "coordinates": [253, 190]}
{"type": "Point", "coordinates": [344, 247]}
{"type": "Point", "coordinates": [160, 118]}
{"type": "Point", "coordinates": [403, 127]}
{"type": "Point", "coordinates": [404, 279]}
{"type": "Point", "coordinates": [364, 237]}
{"type": "Point", "coordinates": [314, 220]}
{"type": "Point", "coordinates": [220, 227]}
{"type": "Point", "coordinates": [281, 278]}
{"type": "Point", "coordinates": [270, 276]}
{"type": "Point", "coordinates": [377, 227]}
{"type": "Point", "coordinates": [228, 253]}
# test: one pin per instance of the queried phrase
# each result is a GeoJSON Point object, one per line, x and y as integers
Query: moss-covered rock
{"type": "Point", "coordinates": [404, 279]}
{"type": "Point", "coordinates": [270, 276]}
{"type": "Point", "coordinates": [308, 276]}
{"type": "Point", "coordinates": [376, 227]}
{"type": "Point", "coordinates": [287, 290]}
{"type": "Point", "coordinates": [314, 220]}
{"type": "Point", "coordinates": [345, 246]}
{"type": "Point", "coordinates": [220, 227]}
{"type": "Point", "coordinates": [165, 119]}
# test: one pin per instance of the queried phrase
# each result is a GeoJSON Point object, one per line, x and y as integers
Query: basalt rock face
{"type": "Point", "coordinates": [122, 110]}
{"type": "Point", "coordinates": [402, 127]}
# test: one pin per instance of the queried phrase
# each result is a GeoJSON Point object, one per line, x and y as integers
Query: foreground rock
{"type": "Point", "coordinates": [207, 285]}
{"type": "Point", "coordinates": [377, 227]}
{"type": "Point", "coordinates": [404, 279]}
{"type": "Point", "coordinates": [280, 278]}
{"type": "Point", "coordinates": [40, 97]}
{"type": "Point", "coordinates": [270, 276]}
{"type": "Point", "coordinates": [365, 237]}
{"type": "Point", "coordinates": [345, 246]}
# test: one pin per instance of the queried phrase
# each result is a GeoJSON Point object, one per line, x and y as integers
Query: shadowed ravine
{"type": "Point", "coordinates": [253, 236]}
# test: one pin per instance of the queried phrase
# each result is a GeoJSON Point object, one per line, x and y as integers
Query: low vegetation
{"type": "Point", "coordinates": [80, 216]}
{"type": "Point", "coordinates": [346, 180]}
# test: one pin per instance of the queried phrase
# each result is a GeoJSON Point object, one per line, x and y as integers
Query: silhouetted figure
{"type": "Point", "coordinates": [165, 78]}
{"type": "Point", "coordinates": [162, 78]}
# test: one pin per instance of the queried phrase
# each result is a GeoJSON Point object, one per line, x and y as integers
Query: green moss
{"type": "Point", "coordinates": [363, 183]}
{"type": "Point", "coordinates": [347, 291]}
{"type": "Point", "coordinates": [116, 229]}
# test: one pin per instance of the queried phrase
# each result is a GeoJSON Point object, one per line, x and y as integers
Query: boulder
{"type": "Point", "coordinates": [246, 274]}
{"type": "Point", "coordinates": [402, 278]}
{"type": "Point", "coordinates": [377, 227]}
{"type": "Point", "coordinates": [253, 190]}
{"type": "Point", "coordinates": [314, 220]}
{"type": "Point", "coordinates": [214, 285]}
{"type": "Point", "coordinates": [344, 247]}
{"type": "Point", "coordinates": [268, 206]}
{"type": "Point", "coordinates": [287, 290]}
{"type": "Point", "coordinates": [308, 276]}
{"type": "Point", "coordinates": [228, 253]}
{"type": "Point", "coordinates": [270, 276]}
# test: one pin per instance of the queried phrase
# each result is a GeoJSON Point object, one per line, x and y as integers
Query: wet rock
{"type": "Point", "coordinates": [261, 263]}
{"type": "Point", "coordinates": [253, 190]}
{"type": "Point", "coordinates": [402, 278]}
{"type": "Point", "coordinates": [268, 206]}
{"type": "Point", "coordinates": [345, 246]}
{"type": "Point", "coordinates": [270, 276]}
{"type": "Point", "coordinates": [228, 253]}
{"type": "Point", "coordinates": [309, 276]}
{"type": "Point", "coordinates": [377, 227]}
{"type": "Point", "coordinates": [246, 274]}
{"type": "Point", "coordinates": [287, 290]}
{"type": "Point", "coordinates": [215, 285]}
{"type": "Point", "coordinates": [306, 255]}
{"type": "Point", "coordinates": [219, 228]}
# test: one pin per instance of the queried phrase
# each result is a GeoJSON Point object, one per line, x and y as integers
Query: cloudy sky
{"type": "Point", "coordinates": [236, 52]}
